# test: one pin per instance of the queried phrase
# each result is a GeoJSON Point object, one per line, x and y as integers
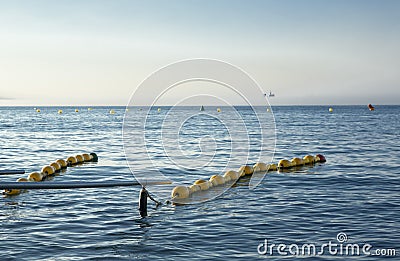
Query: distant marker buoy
{"type": "Point", "coordinates": [218, 109]}
{"type": "Point", "coordinates": [112, 111]}
{"type": "Point", "coordinates": [159, 109]}
{"type": "Point", "coordinates": [370, 107]}
{"type": "Point", "coordinates": [76, 110]}
{"type": "Point", "coordinates": [330, 110]}
{"type": "Point", "coordinates": [37, 110]}
{"type": "Point", "coordinates": [180, 192]}
{"type": "Point", "coordinates": [60, 112]}
{"type": "Point", "coordinates": [89, 109]}
{"type": "Point", "coordinates": [202, 108]}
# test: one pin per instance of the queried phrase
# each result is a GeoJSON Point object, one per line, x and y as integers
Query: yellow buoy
{"type": "Point", "coordinates": [159, 109]}
{"type": "Point", "coordinates": [284, 164]}
{"type": "Point", "coordinates": [37, 110]}
{"type": "Point", "coordinates": [227, 178]}
{"type": "Point", "coordinates": [297, 162]}
{"type": "Point", "coordinates": [260, 166]}
{"type": "Point", "coordinates": [48, 170]}
{"type": "Point", "coordinates": [272, 167]}
{"type": "Point", "coordinates": [217, 180]}
{"type": "Point", "coordinates": [247, 170]}
{"type": "Point", "coordinates": [330, 109]}
{"type": "Point", "coordinates": [12, 192]}
{"type": "Point", "coordinates": [89, 109]}
{"type": "Point", "coordinates": [35, 176]}
{"type": "Point", "coordinates": [241, 172]}
{"type": "Point", "coordinates": [56, 166]}
{"type": "Point", "coordinates": [87, 157]}
{"type": "Point", "coordinates": [72, 160]}
{"type": "Point", "coordinates": [204, 185]}
{"type": "Point", "coordinates": [79, 158]}
{"type": "Point", "coordinates": [308, 159]}
{"type": "Point", "coordinates": [60, 111]}
{"type": "Point", "coordinates": [232, 174]}
{"type": "Point", "coordinates": [194, 188]}
{"type": "Point", "coordinates": [76, 110]}
{"type": "Point", "coordinates": [218, 109]}
{"type": "Point", "coordinates": [180, 192]}
{"type": "Point", "coordinates": [112, 111]}
{"type": "Point", "coordinates": [63, 164]}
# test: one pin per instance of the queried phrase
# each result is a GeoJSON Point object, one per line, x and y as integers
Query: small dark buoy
{"type": "Point", "coordinates": [370, 107]}
{"type": "Point", "coordinates": [320, 158]}
{"type": "Point", "coordinates": [95, 158]}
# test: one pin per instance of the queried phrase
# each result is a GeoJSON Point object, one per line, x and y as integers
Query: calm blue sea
{"type": "Point", "coordinates": [356, 192]}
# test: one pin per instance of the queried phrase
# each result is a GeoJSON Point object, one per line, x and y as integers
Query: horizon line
{"type": "Point", "coordinates": [210, 105]}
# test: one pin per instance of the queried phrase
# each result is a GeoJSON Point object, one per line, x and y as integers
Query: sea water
{"type": "Point", "coordinates": [354, 197]}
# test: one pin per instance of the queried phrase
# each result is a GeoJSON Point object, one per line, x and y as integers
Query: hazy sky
{"type": "Point", "coordinates": [97, 52]}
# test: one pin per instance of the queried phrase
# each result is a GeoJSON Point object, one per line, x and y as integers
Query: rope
{"type": "Point", "coordinates": [11, 172]}
{"type": "Point", "coordinates": [73, 185]}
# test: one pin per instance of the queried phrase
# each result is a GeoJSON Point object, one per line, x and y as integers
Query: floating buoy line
{"type": "Point", "coordinates": [33, 180]}
{"type": "Point", "coordinates": [178, 192]}
{"type": "Point", "coordinates": [47, 171]}
{"type": "Point", "coordinates": [183, 192]}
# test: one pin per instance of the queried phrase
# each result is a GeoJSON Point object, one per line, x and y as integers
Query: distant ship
{"type": "Point", "coordinates": [270, 94]}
